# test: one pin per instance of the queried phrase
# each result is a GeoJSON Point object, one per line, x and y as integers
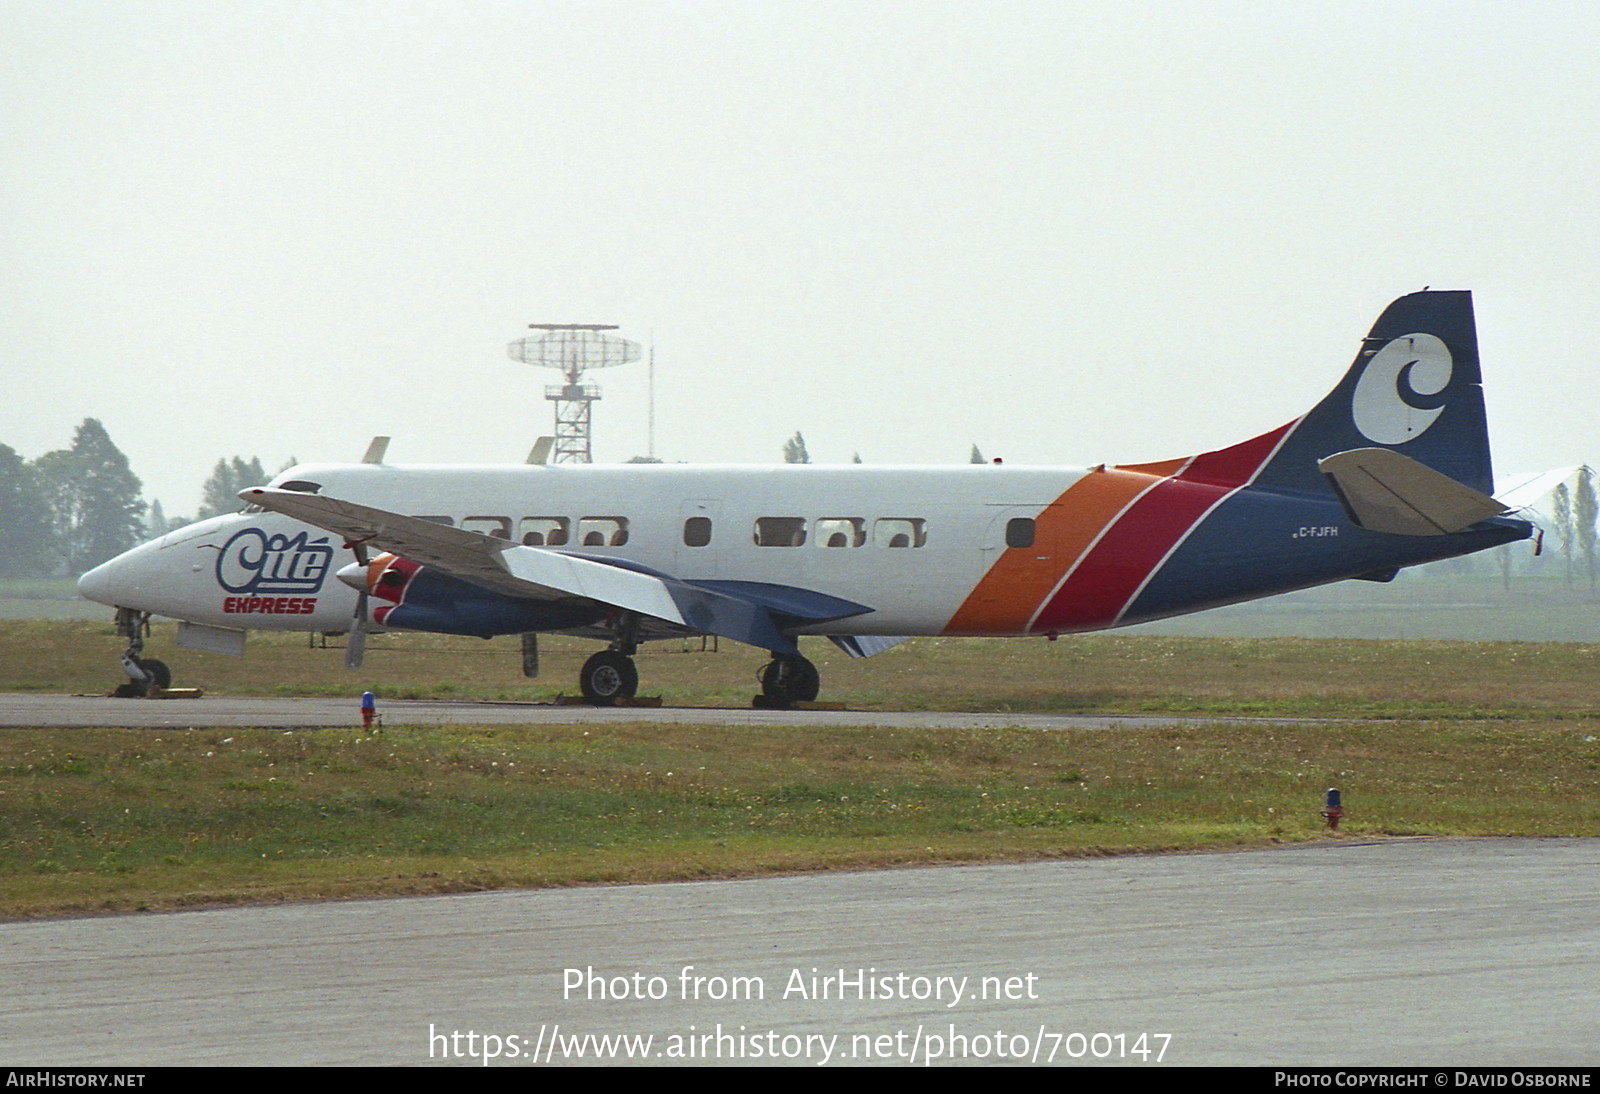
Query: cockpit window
{"type": "Point", "coordinates": [300, 486]}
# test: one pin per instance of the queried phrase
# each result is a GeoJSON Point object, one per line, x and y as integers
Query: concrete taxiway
{"type": "Point", "coordinates": [1442, 953]}
{"type": "Point", "coordinates": [38, 711]}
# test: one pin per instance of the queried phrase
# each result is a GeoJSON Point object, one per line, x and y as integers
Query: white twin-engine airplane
{"type": "Point", "coordinates": [1390, 470]}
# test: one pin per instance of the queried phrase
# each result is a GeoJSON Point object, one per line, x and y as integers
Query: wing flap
{"type": "Point", "coordinates": [866, 645]}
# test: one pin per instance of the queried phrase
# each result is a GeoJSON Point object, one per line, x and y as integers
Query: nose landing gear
{"type": "Point", "coordinates": [147, 677]}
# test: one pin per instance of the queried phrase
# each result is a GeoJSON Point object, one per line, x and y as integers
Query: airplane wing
{"type": "Point", "coordinates": [750, 612]}
{"type": "Point", "coordinates": [1384, 491]}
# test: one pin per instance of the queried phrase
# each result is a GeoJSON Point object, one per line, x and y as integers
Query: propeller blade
{"type": "Point", "coordinates": [355, 644]}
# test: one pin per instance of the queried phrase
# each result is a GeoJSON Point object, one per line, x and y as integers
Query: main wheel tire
{"type": "Point", "coordinates": [789, 680]}
{"type": "Point", "coordinates": [607, 678]}
{"type": "Point", "coordinates": [160, 675]}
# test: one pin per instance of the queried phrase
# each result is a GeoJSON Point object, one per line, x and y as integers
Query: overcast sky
{"type": "Point", "coordinates": [1067, 232]}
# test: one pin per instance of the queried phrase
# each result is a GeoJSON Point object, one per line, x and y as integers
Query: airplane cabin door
{"type": "Point", "coordinates": [1020, 568]}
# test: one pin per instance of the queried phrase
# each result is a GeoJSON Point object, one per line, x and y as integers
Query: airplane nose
{"type": "Point", "coordinates": [354, 575]}
{"type": "Point", "coordinates": [100, 584]}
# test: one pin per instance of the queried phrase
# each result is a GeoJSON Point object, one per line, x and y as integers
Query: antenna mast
{"type": "Point", "coordinates": [573, 348]}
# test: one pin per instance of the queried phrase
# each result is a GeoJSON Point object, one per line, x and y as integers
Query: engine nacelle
{"type": "Point", "coordinates": [410, 596]}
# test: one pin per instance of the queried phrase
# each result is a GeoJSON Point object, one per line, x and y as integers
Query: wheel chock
{"type": "Point", "coordinates": [763, 702]}
{"type": "Point", "coordinates": [565, 700]}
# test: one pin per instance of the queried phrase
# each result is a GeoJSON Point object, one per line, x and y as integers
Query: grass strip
{"type": "Point", "coordinates": [114, 820]}
{"type": "Point", "coordinates": [1111, 673]}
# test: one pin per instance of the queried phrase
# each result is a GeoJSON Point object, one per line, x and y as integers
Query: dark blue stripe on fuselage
{"type": "Point", "coordinates": [1259, 542]}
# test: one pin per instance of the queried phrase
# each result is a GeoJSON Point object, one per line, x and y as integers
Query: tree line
{"type": "Point", "coordinates": [74, 508]}
{"type": "Point", "coordinates": [1576, 513]}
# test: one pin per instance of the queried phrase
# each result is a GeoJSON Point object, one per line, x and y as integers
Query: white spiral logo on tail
{"type": "Point", "coordinates": [1419, 363]}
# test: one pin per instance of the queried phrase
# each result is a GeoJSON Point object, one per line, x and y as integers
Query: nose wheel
{"type": "Point", "coordinates": [146, 676]}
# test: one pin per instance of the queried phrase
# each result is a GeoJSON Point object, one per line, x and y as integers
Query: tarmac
{"type": "Point", "coordinates": [20, 711]}
{"type": "Point", "coordinates": [1431, 953]}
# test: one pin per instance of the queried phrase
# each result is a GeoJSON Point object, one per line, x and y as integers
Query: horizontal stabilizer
{"type": "Point", "coordinates": [537, 573]}
{"type": "Point", "coordinates": [1384, 491]}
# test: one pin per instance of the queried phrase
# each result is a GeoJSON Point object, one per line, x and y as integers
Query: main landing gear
{"type": "Point", "coordinates": [786, 680]}
{"type": "Point", "coordinates": [607, 678]}
{"type": "Point", "coordinates": [146, 675]}
{"type": "Point", "coordinates": [610, 677]}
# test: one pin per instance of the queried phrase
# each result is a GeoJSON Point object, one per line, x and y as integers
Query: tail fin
{"type": "Point", "coordinates": [1406, 426]}
{"type": "Point", "coordinates": [1414, 387]}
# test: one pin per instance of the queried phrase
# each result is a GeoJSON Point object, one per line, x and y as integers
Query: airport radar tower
{"type": "Point", "coordinates": [573, 348]}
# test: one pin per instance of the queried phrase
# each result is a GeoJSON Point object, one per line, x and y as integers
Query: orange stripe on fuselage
{"type": "Point", "coordinates": [1007, 597]}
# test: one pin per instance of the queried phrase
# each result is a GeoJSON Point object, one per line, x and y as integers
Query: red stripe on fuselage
{"type": "Point", "coordinates": [1117, 566]}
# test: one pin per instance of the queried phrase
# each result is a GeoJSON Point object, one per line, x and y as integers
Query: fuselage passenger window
{"type": "Point", "coordinates": [780, 531]}
{"type": "Point", "coordinates": [499, 527]}
{"type": "Point", "coordinates": [697, 532]}
{"type": "Point", "coordinates": [899, 532]}
{"type": "Point", "coordinates": [1019, 532]}
{"type": "Point", "coordinates": [602, 531]}
{"type": "Point", "coordinates": [841, 532]}
{"type": "Point", "coordinates": [544, 531]}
